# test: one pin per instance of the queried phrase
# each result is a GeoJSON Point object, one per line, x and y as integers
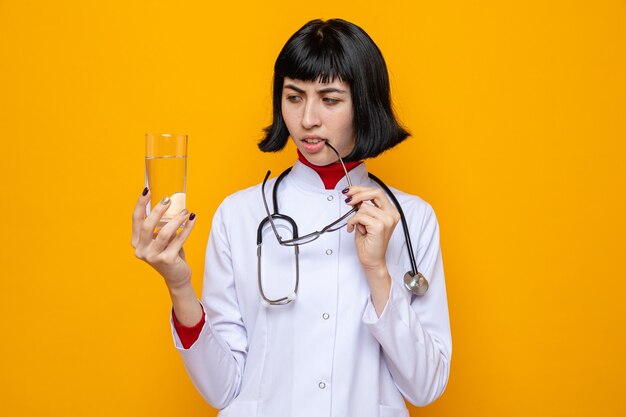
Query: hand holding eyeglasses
{"type": "Point", "coordinates": [375, 222]}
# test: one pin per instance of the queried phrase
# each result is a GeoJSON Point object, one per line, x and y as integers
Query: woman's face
{"type": "Point", "coordinates": [316, 112]}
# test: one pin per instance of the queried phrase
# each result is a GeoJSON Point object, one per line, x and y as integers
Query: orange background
{"type": "Point", "coordinates": [517, 111]}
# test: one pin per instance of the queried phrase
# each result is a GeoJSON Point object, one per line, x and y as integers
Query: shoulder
{"type": "Point", "coordinates": [247, 199]}
{"type": "Point", "coordinates": [420, 218]}
{"type": "Point", "coordinates": [413, 205]}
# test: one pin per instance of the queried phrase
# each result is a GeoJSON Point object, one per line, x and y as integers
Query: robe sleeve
{"type": "Point", "coordinates": [414, 331]}
{"type": "Point", "coordinates": [215, 362]}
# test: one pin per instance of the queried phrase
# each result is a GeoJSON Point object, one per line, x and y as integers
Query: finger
{"type": "Point", "coordinates": [388, 219]}
{"type": "Point", "coordinates": [150, 223]}
{"type": "Point", "coordinates": [366, 223]}
{"type": "Point", "coordinates": [168, 232]}
{"type": "Point", "coordinates": [362, 230]}
{"type": "Point", "coordinates": [383, 210]}
{"type": "Point", "coordinates": [177, 243]}
{"type": "Point", "coordinates": [139, 214]}
{"type": "Point", "coordinates": [377, 196]}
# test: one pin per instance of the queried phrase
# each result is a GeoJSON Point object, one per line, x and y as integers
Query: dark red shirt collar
{"type": "Point", "coordinates": [329, 174]}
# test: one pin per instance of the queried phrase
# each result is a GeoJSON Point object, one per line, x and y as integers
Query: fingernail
{"type": "Point", "coordinates": [345, 190]}
{"type": "Point", "coordinates": [165, 201]}
{"type": "Point", "coordinates": [348, 199]}
{"type": "Point", "coordinates": [184, 212]}
{"type": "Point", "coordinates": [192, 216]}
{"type": "Point", "coordinates": [145, 191]}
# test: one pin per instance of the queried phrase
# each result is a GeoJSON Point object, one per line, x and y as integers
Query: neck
{"type": "Point", "coordinates": [329, 174]}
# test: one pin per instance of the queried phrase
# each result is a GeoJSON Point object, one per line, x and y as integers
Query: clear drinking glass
{"type": "Point", "coordinates": [166, 171]}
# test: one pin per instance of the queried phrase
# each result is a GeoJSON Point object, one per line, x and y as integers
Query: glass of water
{"type": "Point", "coordinates": [166, 171]}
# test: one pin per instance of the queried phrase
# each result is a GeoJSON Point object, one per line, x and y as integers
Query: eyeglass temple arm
{"type": "Point", "coordinates": [340, 161]}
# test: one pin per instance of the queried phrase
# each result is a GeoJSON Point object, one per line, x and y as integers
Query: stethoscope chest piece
{"type": "Point", "coordinates": [417, 284]}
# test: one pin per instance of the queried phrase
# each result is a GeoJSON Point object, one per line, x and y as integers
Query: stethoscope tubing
{"type": "Point", "coordinates": [414, 281]}
{"type": "Point", "coordinates": [392, 197]}
{"type": "Point", "coordinates": [405, 227]}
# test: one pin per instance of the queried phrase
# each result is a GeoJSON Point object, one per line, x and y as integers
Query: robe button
{"type": "Point", "coordinates": [329, 251]}
{"type": "Point", "coordinates": [329, 198]}
{"type": "Point", "coordinates": [321, 385]}
{"type": "Point", "coordinates": [325, 316]}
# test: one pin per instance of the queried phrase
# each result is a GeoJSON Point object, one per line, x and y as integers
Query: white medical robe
{"type": "Point", "coordinates": [327, 353]}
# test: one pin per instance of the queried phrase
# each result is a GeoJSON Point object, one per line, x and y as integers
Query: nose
{"type": "Point", "coordinates": [310, 116]}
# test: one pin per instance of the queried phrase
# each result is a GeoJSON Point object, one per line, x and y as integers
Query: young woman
{"type": "Point", "coordinates": [307, 306]}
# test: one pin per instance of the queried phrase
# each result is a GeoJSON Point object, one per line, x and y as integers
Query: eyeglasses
{"type": "Point", "coordinates": [332, 227]}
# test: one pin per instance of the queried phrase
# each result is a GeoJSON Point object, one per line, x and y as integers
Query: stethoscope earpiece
{"type": "Point", "coordinates": [417, 284]}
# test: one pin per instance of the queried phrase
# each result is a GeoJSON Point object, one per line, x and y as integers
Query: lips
{"type": "Point", "coordinates": [313, 144]}
{"type": "Point", "coordinates": [312, 140]}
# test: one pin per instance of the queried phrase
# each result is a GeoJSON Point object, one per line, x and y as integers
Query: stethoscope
{"type": "Point", "coordinates": [414, 281]}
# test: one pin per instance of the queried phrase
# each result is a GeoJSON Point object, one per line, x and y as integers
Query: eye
{"type": "Point", "coordinates": [329, 100]}
{"type": "Point", "coordinates": [293, 98]}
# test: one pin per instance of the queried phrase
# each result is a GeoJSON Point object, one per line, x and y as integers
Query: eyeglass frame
{"type": "Point", "coordinates": [308, 238]}
{"type": "Point", "coordinates": [295, 241]}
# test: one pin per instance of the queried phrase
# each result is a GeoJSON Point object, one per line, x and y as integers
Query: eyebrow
{"type": "Point", "coordinates": [322, 90]}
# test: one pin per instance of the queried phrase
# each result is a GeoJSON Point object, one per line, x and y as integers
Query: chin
{"type": "Point", "coordinates": [319, 160]}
